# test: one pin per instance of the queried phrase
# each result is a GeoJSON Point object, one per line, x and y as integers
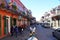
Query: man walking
{"type": "Point", "coordinates": [16, 30]}
{"type": "Point", "coordinates": [12, 30]}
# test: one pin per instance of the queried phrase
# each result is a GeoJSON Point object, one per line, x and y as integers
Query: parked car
{"type": "Point", "coordinates": [46, 25]}
{"type": "Point", "coordinates": [56, 33]}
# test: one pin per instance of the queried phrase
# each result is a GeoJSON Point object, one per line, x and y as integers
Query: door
{"type": "Point", "coordinates": [14, 21]}
{"type": "Point", "coordinates": [6, 25]}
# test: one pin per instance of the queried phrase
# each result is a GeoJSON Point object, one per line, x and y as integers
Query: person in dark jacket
{"type": "Point", "coordinates": [16, 30]}
{"type": "Point", "coordinates": [12, 30]}
{"type": "Point", "coordinates": [20, 29]}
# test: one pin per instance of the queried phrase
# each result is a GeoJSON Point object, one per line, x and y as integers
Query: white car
{"type": "Point", "coordinates": [46, 25]}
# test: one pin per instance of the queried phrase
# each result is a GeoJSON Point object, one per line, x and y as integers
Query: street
{"type": "Point", "coordinates": [23, 20]}
{"type": "Point", "coordinates": [44, 33]}
{"type": "Point", "coordinates": [41, 34]}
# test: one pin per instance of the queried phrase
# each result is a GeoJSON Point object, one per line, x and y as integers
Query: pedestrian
{"type": "Point", "coordinates": [20, 29]}
{"type": "Point", "coordinates": [16, 30]}
{"type": "Point", "coordinates": [12, 30]}
{"type": "Point", "coordinates": [32, 31]}
{"type": "Point", "coordinates": [32, 37]}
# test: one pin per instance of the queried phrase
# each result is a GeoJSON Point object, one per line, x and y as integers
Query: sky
{"type": "Point", "coordinates": [39, 7]}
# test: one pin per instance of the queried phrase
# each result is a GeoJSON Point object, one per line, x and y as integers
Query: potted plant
{"type": "Point", "coordinates": [14, 7]}
{"type": "Point", "coordinates": [10, 3]}
{"type": "Point", "coordinates": [2, 5]}
{"type": "Point", "coordinates": [23, 13]}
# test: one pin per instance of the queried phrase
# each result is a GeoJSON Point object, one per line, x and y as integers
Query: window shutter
{"type": "Point", "coordinates": [4, 24]}
{"type": "Point", "coordinates": [10, 21]}
{"type": "Point", "coordinates": [0, 25]}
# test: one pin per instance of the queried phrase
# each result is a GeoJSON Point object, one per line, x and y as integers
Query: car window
{"type": "Point", "coordinates": [57, 30]}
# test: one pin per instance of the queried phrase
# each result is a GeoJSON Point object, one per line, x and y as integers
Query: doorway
{"type": "Point", "coordinates": [14, 21]}
{"type": "Point", "coordinates": [6, 25]}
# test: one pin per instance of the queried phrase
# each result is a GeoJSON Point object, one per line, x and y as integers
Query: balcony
{"type": "Point", "coordinates": [14, 10]}
{"type": "Point", "coordinates": [57, 13]}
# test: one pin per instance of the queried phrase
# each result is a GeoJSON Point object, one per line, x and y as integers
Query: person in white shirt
{"type": "Point", "coordinates": [32, 37]}
{"type": "Point", "coordinates": [32, 30]}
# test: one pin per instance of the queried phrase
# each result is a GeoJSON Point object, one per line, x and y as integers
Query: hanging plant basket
{"type": "Point", "coordinates": [2, 5]}
{"type": "Point", "coordinates": [23, 13]}
{"type": "Point", "coordinates": [14, 7]}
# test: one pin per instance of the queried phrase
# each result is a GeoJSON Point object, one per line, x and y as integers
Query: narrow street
{"type": "Point", "coordinates": [44, 33]}
{"type": "Point", "coordinates": [41, 34]}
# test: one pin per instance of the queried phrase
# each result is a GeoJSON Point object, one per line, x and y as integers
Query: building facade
{"type": "Point", "coordinates": [56, 17]}
{"type": "Point", "coordinates": [53, 18]}
{"type": "Point", "coordinates": [10, 14]}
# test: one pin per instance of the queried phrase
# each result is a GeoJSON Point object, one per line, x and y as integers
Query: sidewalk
{"type": "Point", "coordinates": [41, 34]}
{"type": "Point", "coordinates": [23, 36]}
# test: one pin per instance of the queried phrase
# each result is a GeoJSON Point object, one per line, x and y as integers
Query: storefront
{"type": "Point", "coordinates": [7, 19]}
{"type": "Point", "coordinates": [9, 15]}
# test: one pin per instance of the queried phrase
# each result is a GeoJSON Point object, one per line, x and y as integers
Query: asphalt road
{"type": "Point", "coordinates": [41, 34]}
{"type": "Point", "coordinates": [44, 33]}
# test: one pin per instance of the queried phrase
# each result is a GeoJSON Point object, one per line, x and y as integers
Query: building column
{"type": "Point", "coordinates": [59, 23]}
{"type": "Point", "coordinates": [50, 22]}
{"type": "Point", "coordinates": [9, 24]}
{"type": "Point", "coordinates": [53, 23]}
{"type": "Point", "coordinates": [56, 23]}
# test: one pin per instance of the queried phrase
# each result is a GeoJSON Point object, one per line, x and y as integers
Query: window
{"type": "Point", "coordinates": [14, 21]}
{"type": "Point", "coordinates": [10, 21]}
{"type": "Point", "coordinates": [20, 17]}
{"type": "Point", "coordinates": [4, 24]}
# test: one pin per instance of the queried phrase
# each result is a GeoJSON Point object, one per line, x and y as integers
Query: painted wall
{"type": "Point", "coordinates": [8, 14]}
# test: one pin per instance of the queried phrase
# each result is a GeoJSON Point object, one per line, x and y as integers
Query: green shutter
{"type": "Point", "coordinates": [14, 21]}
{"type": "Point", "coordinates": [10, 21]}
{"type": "Point", "coordinates": [0, 25]}
{"type": "Point", "coordinates": [4, 24]}
{"type": "Point", "coordinates": [14, 7]}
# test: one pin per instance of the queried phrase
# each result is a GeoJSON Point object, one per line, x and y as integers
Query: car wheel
{"type": "Point", "coordinates": [53, 34]}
